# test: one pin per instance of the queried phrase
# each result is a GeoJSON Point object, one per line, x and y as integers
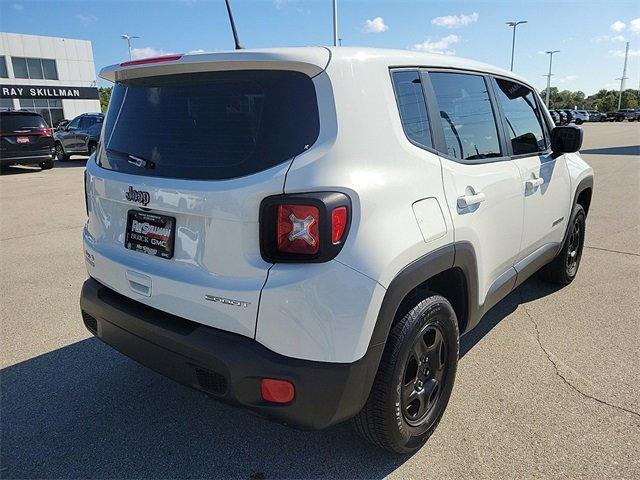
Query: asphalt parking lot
{"type": "Point", "coordinates": [547, 387]}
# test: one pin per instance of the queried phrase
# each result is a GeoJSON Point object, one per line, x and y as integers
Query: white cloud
{"type": "Point", "coordinates": [634, 25]}
{"type": "Point", "coordinates": [18, 7]}
{"type": "Point", "coordinates": [280, 3]}
{"type": "Point", "coordinates": [438, 46]}
{"type": "Point", "coordinates": [86, 20]}
{"type": "Point", "coordinates": [147, 52]}
{"type": "Point", "coordinates": [608, 38]}
{"type": "Point", "coordinates": [618, 26]}
{"type": "Point", "coordinates": [567, 79]}
{"type": "Point", "coordinates": [376, 25]}
{"type": "Point", "coordinates": [455, 21]}
{"type": "Point", "coordinates": [196, 51]}
{"type": "Point", "coordinates": [620, 53]}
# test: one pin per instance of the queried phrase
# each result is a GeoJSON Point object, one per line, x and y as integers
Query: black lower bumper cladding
{"type": "Point", "coordinates": [225, 365]}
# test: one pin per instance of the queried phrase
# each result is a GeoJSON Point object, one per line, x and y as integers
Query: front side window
{"type": "Point", "coordinates": [413, 109]}
{"type": "Point", "coordinates": [522, 117]}
{"type": "Point", "coordinates": [74, 124]}
{"type": "Point", "coordinates": [466, 115]}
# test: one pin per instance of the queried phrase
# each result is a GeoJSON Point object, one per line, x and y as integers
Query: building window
{"type": "Point", "coordinates": [35, 68]}
{"type": "Point", "coordinates": [51, 110]}
{"type": "Point", "coordinates": [6, 104]}
{"type": "Point", "coordinates": [3, 68]}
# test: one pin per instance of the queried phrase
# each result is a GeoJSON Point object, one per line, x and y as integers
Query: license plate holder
{"type": "Point", "coordinates": [150, 233]}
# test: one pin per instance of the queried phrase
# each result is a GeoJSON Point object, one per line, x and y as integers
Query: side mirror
{"type": "Point", "coordinates": [566, 139]}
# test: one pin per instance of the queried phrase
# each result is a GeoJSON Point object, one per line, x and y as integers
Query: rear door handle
{"type": "Point", "coordinates": [467, 201]}
{"type": "Point", "coordinates": [533, 183]}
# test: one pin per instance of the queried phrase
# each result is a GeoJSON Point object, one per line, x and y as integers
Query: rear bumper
{"type": "Point", "coordinates": [26, 160]}
{"type": "Point", "coordinates": [225, 365]}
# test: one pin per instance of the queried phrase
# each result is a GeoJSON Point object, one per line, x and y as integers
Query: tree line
{"type": "Point", "coordinates": [604, 101]}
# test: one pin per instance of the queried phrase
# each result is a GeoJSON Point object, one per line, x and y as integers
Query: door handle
{"type": "Point", "coordinates": [533, 183]}
{"type": "Point", "coordinates": [467, 201]}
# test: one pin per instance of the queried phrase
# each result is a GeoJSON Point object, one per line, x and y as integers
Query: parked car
{"type": "Point", "coordinates": [555, 116]}
{"type": "Point", "coordinates": [306, 268]}
{"type": "Point", "coordinates": [615, 117]}
{"type": "Point", "coordinates": [580, 116]}
{"type": "Point", "coordinates": [570, 116]}
{"type": "Point", "coordinates": [25, 139]}
{"type": "Point", "coordinates": [628, 114]}
{"type": "Point", "coordinates": [79, 137]}
{"type": "Point", "coordinates": [595, 116]}
{"type": "Point", "coordinates": [564, 118]}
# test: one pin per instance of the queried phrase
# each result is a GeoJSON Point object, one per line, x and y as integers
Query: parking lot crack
{"type": "Point", "coordinates": [612, 251]}
{"type": "Point", "coordinates": [559, 373]}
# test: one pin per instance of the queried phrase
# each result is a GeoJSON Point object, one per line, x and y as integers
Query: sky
{"type": "Point", "coordinates": [590, 35]}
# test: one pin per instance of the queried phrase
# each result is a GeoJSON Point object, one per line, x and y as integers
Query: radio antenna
{"type": "Point", "coordinates": [233, 27]}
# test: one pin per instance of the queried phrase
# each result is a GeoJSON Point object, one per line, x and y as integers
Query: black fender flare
{"type": "Point", "coordinates": [461, 255]}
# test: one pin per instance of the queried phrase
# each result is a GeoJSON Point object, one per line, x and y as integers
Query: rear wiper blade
{"type": "Point", "coordinates": [483, 155]}
{"type": "Point", "coordinates": [134, 159]}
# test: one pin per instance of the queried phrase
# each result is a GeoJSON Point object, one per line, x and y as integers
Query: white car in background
{"type": "Point", "coordinates": [580, 116]}
{"type": "Point", "coordinates": [306, 232]}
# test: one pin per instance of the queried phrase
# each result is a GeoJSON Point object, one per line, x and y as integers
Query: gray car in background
{"type": "Point", "coordinates": [78, 137]}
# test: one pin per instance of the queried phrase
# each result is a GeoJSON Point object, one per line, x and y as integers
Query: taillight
{"type": "Point", "coordinates": [47, 132]}
{"type": "Point", "coordinates": [297, 229]}
{"type": "Point", "coordinates": [309, 227]}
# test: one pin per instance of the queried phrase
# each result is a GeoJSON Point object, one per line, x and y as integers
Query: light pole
{"type": "Point", "coordinates": [550, 53]}
{"type": "Point", "coordinates": [128, 38]}
{"type": "Point", "coordinates": [513, 42]}
{"type": "Point", "coordinates": [624, 76]}
{"type": "Point", "coordinates": [336, 40]}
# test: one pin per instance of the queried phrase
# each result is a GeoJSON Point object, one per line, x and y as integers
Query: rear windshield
{"type": "Point", "coordinates": [11, 122]}
{"type": "Point", "coordinates": [212, 125]}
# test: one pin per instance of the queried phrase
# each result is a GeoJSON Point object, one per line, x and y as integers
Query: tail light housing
{"type": "Point", "coordinates": [307, 227]}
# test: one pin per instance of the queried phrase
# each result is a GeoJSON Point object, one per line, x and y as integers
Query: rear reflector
{"type": "Point", "coordinates": [338, 223]}
{"type": "Point", "coordinates": [144, 61]}
{"type": "Point", "coordinates": [297, 229]}
{"type": "Point", "coordinates": [277, 391]}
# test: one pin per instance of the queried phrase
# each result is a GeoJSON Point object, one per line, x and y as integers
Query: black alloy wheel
{"type": "Point", "coordinates": [424, 373]}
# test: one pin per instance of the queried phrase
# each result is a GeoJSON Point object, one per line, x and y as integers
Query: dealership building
{"type": "Point", "coordinates": [55, 77]}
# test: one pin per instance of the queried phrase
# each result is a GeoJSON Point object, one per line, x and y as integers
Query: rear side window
{"type": "Point", "coordinates": [522, 117]}
{"type": "Point", "coordinates": [466, 115]}
{"type": "Point", "coordinates": [213, 125]}
{"type": "Point", "coordinates": [412, 106]}
{"type": "Point", "coordinates": [11, 122]}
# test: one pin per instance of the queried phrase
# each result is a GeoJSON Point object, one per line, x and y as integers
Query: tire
{"type": "Point", "coordinates": [60, 155]}
{"type": "Point", "coordinates": [92, 148]}
{"type": "Point", "coordinates": [46, 165]}
{"type": "Point", "coordinates": [563, 269]}
{"type": "Point", "coordinates": [409, 396]}
{"type": "Point", "coordinates": [579, 121]}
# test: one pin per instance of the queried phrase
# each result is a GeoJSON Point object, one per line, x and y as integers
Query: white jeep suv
{"type": "Point", "coordinates": [306, 232]}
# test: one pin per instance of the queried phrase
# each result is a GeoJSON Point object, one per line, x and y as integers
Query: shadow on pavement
{"type": "Point", "coordinates": [74, 162]}
{"type": "Point", "coordinates": [17, 170]}
{"type": "Point", "coordinates": [629, 150]}
{"type": "Point", "coordinates": [85, 411]}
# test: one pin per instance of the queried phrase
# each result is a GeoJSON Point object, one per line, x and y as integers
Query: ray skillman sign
{"type": "Point", "coordinates": [44, 91]}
